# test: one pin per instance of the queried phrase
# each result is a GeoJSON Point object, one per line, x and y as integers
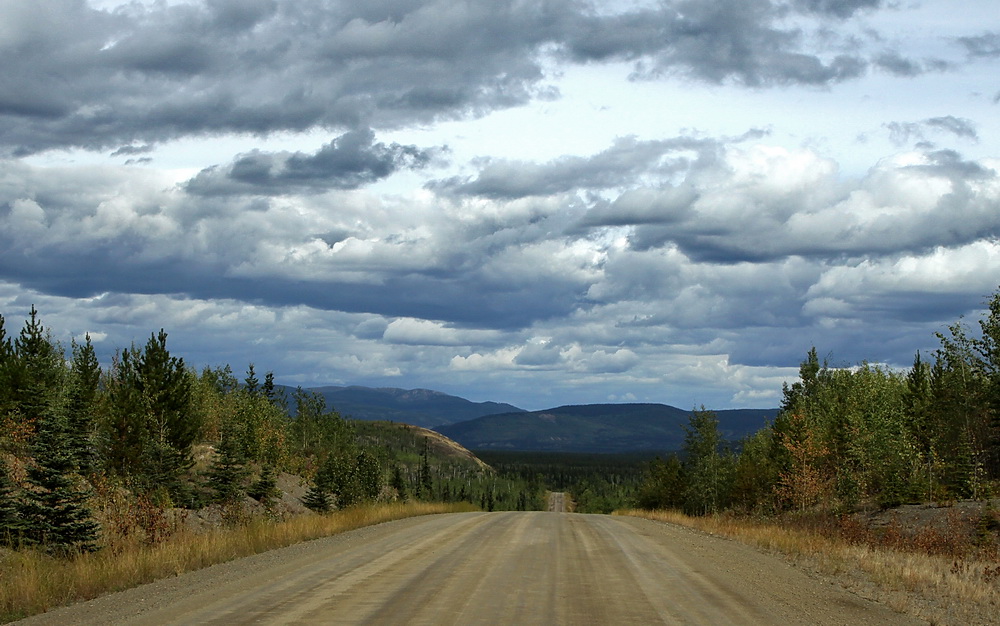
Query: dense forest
{"type": "Point", "coordinates": [854, 437]}
{"type": "Point", "coordinates": [87, 451]}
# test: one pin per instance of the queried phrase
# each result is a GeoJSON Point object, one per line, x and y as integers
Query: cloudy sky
{"type": "Point", "coordinates": [541, 202]}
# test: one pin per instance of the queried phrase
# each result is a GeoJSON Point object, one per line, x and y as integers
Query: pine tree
{"type": "Point", "coordinates": [53, 513]}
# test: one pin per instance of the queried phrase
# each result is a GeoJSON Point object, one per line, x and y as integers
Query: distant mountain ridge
{"type": "Point", "coordinates": [419, 407]}
{"type": "Point", "coordinates": [501, 426]}
{"type": "Point", "coordinates": [596, 428]}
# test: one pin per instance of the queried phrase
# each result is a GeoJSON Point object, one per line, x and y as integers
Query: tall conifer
{"type": "Point", "coordinates": [53, 512]}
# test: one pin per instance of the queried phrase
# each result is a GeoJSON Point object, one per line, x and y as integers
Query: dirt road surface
{"type": "Point", "coordinates": [493, 568]}
{"type": "Point", "coordinates": [557, 502]}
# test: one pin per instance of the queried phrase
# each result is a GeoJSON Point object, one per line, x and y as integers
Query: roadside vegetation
{"type": "Point", "coordinates": [853, 439]}
{"type": "Point", "coordinates": [115, 475]}
{"type": "Point", "coordinates": [36, 581]}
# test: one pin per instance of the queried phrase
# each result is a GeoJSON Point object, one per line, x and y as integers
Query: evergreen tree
{"type": "Point", "coordinates": [369, 475]}
{"type": "Point", "coordinates": [7, 367]}
{"type": "Point", "coordinates": [706, 470]}
{"type": "Point", "coordinates": [151, 424]}
{"type": "Point", "coordinates": [36, 371]}
{"type": "Point", "coordinates": [166, 385]}
{"type": "Point", "coordinates": [228, 472]}
{"type": "Point", "coordinates": [125, 433]}
{"type": "Point", "coordinates": [398, 483]}
{"type": "Point", "coordinates": [664, 485]}
{"type": "Point", "coordinates": [251, 383]}
{"type": "Point", "coordinates": [918, 399]}
{"type": "Point", "coordinates": [987, 349]}
{"type": "Point", "coordinates": [425, 483]}
{"type": "Point", "coordinates": [265, 488]}
{"type": "Point", "coordinates": [319, 497]}
{"type": "Point", "coordinates": [268, 387]}
{"type": "Point", "coordinates": [84, 380]}
{"type": "Point", "coordinates": [53, 512]}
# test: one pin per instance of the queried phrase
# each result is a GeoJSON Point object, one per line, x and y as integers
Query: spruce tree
{"type": "Point", "coordinates": [53, 513]}
{"type": "Point", "coordinates": [265, 488]}
{"type": "Point", "coordinates": [425, 483]}
{"type": "Point", "coordinates": [398, 483]}
{"type": "Point", "coordinates": [251, 382]}
{"type": "Point", "coordinates": [167, 386]}
{"type": "Point", "coordinates": [152, 426]}
{"type": "Point", "coordinates": [84, 379]}
{"type": "Point", "coordinates": [268, 388]}
{"type": "Point", "coordinates": [36, 371]}
{"type": "Point", "coordinates": [228, 473]}
{"type": "Point", "coordinates": [319, 497]}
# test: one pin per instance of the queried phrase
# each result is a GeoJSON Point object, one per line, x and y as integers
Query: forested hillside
{"type": "Point", "coordinates": [90, 454]}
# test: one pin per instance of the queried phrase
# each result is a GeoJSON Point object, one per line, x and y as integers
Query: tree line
{"type": "Point", "coordinates": [850, 437]}
{"type": "Point", "coordinates": [150, 431]}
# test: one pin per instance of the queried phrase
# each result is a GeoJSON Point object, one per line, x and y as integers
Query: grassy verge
{"type": "Point", "coordinates": [941, 588]}
{"type": "Point", "coordinates": [32, 582]}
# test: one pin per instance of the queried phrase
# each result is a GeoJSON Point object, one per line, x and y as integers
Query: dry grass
{"type": "Point", "coordinates": [940, 588]}
{"type": "Point", "coordinates": [32, 582]}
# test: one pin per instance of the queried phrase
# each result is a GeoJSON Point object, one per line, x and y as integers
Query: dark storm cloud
{"type": "Point", "coordinates": [79, 233]}
{"type": "Point", "coordinates": [985, 46]}
{"type": "Point", "coordinates": [895, 64]}
{"type": "Point", "coordinates": [903, 132]}
{"type": "Point", "coordinates": [620, 165]}
{"type": "Point", "coordinates": [712, 41]}
{"type": "Point", "coordinates": [839, 8]}
{"type": "Point", "coordinates": [76, 76]}
{"type": "Point", "coordinates": [348, 162]}
{"type": "Point", "coordinates": [130, 150]}
{"type": "Point", "coordinates": [957, 126]}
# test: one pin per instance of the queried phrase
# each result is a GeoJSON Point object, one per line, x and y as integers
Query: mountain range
{"type": "Point", "coordinates": [501, 426]}
{"type": "Point", "coordinates": [419, 407]}
{"type": "Point", "coordinates": [597, 428]}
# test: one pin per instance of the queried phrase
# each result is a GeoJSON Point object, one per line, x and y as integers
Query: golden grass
{"type": "Point", "coordinates": [941, 589]}
{"type": "Point", "coordinates": [32, 582]}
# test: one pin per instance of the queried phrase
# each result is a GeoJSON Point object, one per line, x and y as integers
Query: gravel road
{"type": "Point", "coordinates": [493, 568]}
